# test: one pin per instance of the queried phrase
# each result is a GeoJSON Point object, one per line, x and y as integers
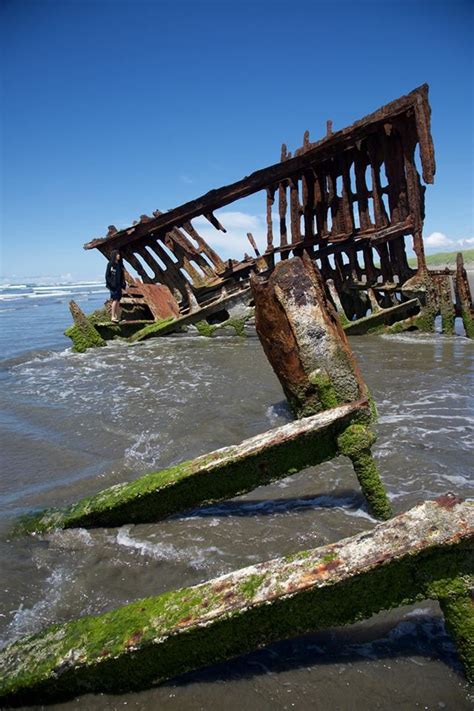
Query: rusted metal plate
{"type": "Point", "coordinates": [159, 300]}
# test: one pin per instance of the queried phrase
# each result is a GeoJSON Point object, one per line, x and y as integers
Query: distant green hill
{"type": "Point", "coordinates": [446, 259]}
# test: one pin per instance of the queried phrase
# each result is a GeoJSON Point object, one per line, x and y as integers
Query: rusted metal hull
{"type": "Point", "coordinates": [350, 201]}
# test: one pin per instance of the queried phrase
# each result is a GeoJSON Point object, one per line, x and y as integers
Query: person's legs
{"type": "Point", "coordinates": [115, 305]}
{"type": "Point", "coordinates": [115, 296]}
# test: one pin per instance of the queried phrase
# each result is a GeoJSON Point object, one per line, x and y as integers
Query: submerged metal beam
{"type": "Point", "coordinates": [424, 553]}
{"type": "Point", "coordinates": [212, 477]}
{"type": "Point", "coordinates": [383, 317]}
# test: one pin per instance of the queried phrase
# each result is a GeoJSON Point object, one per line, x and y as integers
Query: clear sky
{"type": "Point", "coordinates": [114, 108]}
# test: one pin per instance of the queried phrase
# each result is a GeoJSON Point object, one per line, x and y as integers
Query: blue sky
{"type": "Point", "coordinates": [114, 108]}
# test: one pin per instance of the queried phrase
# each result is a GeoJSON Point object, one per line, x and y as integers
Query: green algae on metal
{"type": "Point", "coordinates": [456, 601]}
{"type": "Point", "coordinates": [205, 329]}
{"type": "Point", "coordinates": [212, 477]}
{"type": "Point", "coordinates": [356, 443]}
{"type": "Point", "coordinates": [236, 322]}
{"type": "Point", "coordinates": [325, 389]}
{"type": "Point", "coordinates": [468, 323]}
{"type": "Point", "coordinates": [421, 554]}
{"type": "Point", "coordinates": [83, 337]}
{"type": "Point", "coordinates": [154, 329]}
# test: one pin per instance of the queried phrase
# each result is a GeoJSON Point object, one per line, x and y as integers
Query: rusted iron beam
{"type": "Point", "coordinates": [446, 307]}
{"type": "Point", "coordinates": [425, 553]}
{"type": "Point", "coordinates": [303, 339]}
{"type": "Point", "coordinates": [463, 297]}
{"type": "Point", "coordinates": [322, 150]}
{"type": "Point", "coordinates": [214, 221]}
{"type": "Point", "coordinates": [382, 317]}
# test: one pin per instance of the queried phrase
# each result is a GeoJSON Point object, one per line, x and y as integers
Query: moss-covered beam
{"type": "Point", "coordinates": [356, 442]}
{"type": "Point", "coordinates": [124, 329]}
{"type": "Point", "coordinates": [414, 556]}
{"type": "Point", "coordinates": [457, 603]}
{"type": "Point", "coordinates": [377, 322]}
{"type": "Point", "coordinates": [237, 322]}
{"type": "Point", "coordinates": [158, 328]}
{"type": "Point", "coordinates": [209, 478]}
{"type": "Point", "coordinates": [83, 333]}
{"type": "Point", "coordinates": [307, 348]}
{"type": "Point", "coordinates": [463, 297]}
{"type": "Point", "coordinates": [199, 316]}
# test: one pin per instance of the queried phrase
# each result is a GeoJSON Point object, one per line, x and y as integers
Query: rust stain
{"type": "Point", "coordinates": [134, 639]}
{"type": "Point", "coordinates": [448, 501]}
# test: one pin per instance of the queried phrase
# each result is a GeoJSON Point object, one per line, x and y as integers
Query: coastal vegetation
{"type": "Point", "coordinates": [447, 259]}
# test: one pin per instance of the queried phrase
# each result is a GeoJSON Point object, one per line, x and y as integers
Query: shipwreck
{"type": "Point", "coordinates": [305, 296]}
{"type": "Point", "coordinates": [425, 553]}
{"type": "Point", "coordinates": [353, 201]}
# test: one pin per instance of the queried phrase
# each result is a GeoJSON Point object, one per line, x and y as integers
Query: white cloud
{"type": "Point", "coordinates": [437, 240]}
{"type": "Point", "coordinates": [234, 242]}
{"type": "Point", "coordinates": [466, 243]}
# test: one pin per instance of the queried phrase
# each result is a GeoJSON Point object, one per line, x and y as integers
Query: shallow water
{"type": "Point", "coordinates": [72, 424]}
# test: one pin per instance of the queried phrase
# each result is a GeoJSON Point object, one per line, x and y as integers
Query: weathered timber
{"type": "Point", "coordinates": [303, 339]}
{"type": "Point", "coordinates": [425, 553]}
{"type": "Point", "coordinates": [83, 333]}
{"type": "Point", "coordinates": [383, 317]}
{"type": "Point", "coordinates": [211, 477]}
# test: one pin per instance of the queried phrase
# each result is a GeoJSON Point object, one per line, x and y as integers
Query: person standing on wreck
{"type": "Point", "coordinates": [115, 281]}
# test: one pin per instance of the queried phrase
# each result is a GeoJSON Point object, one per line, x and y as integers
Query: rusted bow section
{"type": "Point", "coordinates": [349, 200]}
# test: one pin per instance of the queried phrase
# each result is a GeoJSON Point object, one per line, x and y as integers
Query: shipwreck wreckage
{"type": "Point", "coordinates": [424, 553]}
{"type": "Point", "coordinates": [349, 201]}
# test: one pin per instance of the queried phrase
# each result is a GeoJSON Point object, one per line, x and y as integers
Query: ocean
{"type": "Point", "coordinates": [72, 424]}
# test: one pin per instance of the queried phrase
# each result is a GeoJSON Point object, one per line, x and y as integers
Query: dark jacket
{"type": "Point", "coordinates": [114, 275]}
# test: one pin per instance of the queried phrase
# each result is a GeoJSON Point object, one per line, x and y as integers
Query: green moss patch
{"type": "Point", "coordinates": [154, 639]}
{"type": "Point", "coordinates": [84, 336]}
{"type": "Point", "coordinates": [355, 443]}
{"type": "Point", "coordinates": [205, 329]}
{"type": "Point", "coordinates": [326, 390]}
{"type": "Point", "coordinates": [210, 478]}
{"type": "Point", "coordinates": [159, 328]}
{"type": "Point", "coordinates": [468, 323]}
